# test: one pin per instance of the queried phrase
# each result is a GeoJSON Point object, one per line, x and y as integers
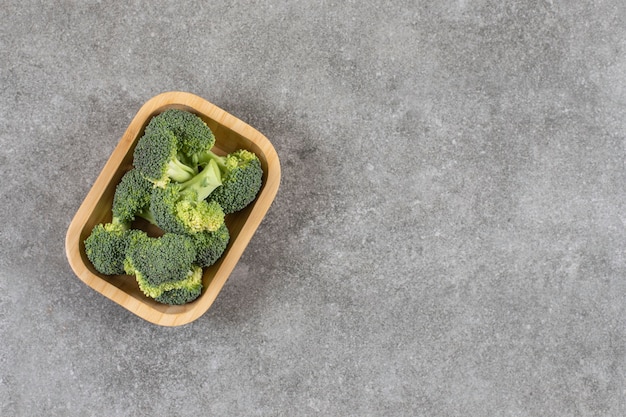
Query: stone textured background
{"type": "Point", "coordinates": [449, 235]}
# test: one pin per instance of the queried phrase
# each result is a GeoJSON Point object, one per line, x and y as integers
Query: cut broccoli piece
{"type": "Point", "coordinates": [241, 177]}
{"type": "Point", "coordinates": [158, 158]}
{"type": "Point", "coordinates": [193, 135]}
{"type": "Point", "coordinates": [106, 247]}
{"type": "Point", "coordinates": [132, 197]}
{"type": "Point", "coordinates": [184, 291]}
{"type": "Point", "coordinates": [160, 263]}
{"type": "Point", "coordinates": [205, 182]}
{"type": "Point", "coordinates": [181, 208]}
{"type": "Point", "coordinates": [210, 245]}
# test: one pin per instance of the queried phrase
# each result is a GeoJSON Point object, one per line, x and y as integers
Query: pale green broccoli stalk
{"type": "Point", "coordinates": [205, 182]}
{"type": "Point", "coordinates": [182, 208]}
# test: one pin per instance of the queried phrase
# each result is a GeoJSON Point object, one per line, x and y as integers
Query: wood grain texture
{"type": "Point", "coordinates": [231, 134]}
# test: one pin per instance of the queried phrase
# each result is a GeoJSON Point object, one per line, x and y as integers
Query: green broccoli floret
{"type": "Point", "coordinates": [241, 178]}
{"type": "Point", "coordinates": [132, 197]}
{"type": "Point", "coordinates": [181, 186]}
{"type": "Point", "coordinates": [162, 264]}
{"type": "Point", "coordinates": [106, 247]}
{"type": "Point", "coordinates": [157, 156]}
{"type": "Point", "coordinates": [185, 291]}
{"type": "Point", "coordinates": [210, 245]}
{"type": "Point", "coordinates": [193, 135]}
{"type": "Point", "coordinates": [182, 208]}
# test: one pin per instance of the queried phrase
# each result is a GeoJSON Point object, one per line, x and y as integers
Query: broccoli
{"type": "Point", "coordinates": [241, 178]}
{"type": "Point", "coordinates": [163, 264]}
{"type": "Point", "coordinates": [178, 184]}
{"type": "Point", "coordinates": [176, 143]}
{"type": "Point", "coordinates": [185, 291]}
{"type": "Point", "coordinates": [169, 148]}
{"type": "Point", "coordinates": [207, 180]}
{"type": "Point", "coordinates": [210, 245]}
{"type": "Point", "coordinates": [193, 134]}
{"type": "Point", "coordinates": [158, 158]}
{"type": "Point", "coordinates": [106, 247]}
{"type": "Point", "coordinates": [182, 208]}
{"type": "Point", "coordinates": [132, 197]}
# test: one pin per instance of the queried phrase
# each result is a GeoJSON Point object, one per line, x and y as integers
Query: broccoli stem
{"type": "Point", "coordinates": [178, 171]}
{"type": "Point", "coordinates": [208, 156]}
{"type": "Point", "coordinates": [204, 182]}
{"type": "Point", "coordinates": [146, 214]}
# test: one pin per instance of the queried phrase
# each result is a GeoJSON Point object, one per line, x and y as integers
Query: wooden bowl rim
{"type": "Point", "coordinates": [142, 306]}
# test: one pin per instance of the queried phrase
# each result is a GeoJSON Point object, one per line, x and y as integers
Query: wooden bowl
{"type": "Point", "coordinates": [231, 134]}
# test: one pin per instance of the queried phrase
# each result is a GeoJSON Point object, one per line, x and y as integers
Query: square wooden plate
{"type": "Point", "coordinates": [231, 134]}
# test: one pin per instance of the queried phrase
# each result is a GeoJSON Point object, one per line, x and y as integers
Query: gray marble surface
{"type": "Point", "coordinates": [449, 235]}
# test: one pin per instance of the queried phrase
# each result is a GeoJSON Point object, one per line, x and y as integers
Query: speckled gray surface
{"type": "Point", "coordinates": [448, 238]}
